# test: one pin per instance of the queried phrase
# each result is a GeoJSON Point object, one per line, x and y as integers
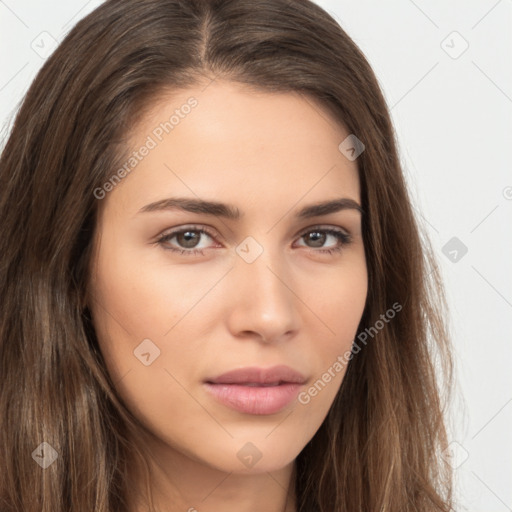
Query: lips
{"type": "Point", "coordinates": [260, 376]}
{"type": "Point", "coordinates": [256, 390]}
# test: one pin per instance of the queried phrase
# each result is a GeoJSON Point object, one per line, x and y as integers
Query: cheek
{"type": "Point", "coordinates": [140, 316]}
{"type": "Point", "coordinates": [150, 313]}
{"type": "Point", "coordinates": [340, 300]}
{"type": "Point", "coordinates": [339, 305]}
{"type": "Point", "coordinates": [146, 299]}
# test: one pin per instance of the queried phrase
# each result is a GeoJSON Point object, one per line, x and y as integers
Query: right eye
{"type": "Point", "coordinates": [187, 237]}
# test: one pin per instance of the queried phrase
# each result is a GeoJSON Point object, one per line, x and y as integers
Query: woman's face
{"type": "Point", "coordinates": [256, 289]}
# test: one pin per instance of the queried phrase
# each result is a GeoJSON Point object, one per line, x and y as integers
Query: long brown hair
{"type": "Point", "coordinates": [379, 449]}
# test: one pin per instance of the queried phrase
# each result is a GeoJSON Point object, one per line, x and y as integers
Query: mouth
{"type": "Point", "coordinates": [256, 376]}
{"type": "Point", "coordinates": [254, 398]}
{"type": "Point", "coordinates": [254, 390]}
{"type": "Point", "coordinates": [250, 384]}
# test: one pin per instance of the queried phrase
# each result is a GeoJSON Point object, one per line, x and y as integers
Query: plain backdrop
{"type": "Point", "coordinates": [445, 70]}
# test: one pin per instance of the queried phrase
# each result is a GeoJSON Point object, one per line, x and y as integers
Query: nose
{"type": "Point", "coordinates": [263, 303]}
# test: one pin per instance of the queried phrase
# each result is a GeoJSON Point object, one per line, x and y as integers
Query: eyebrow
{"type": "Point", "coordinates": [231, 212]}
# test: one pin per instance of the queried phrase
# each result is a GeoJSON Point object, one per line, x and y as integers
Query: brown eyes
{"type": "Point", "coordinates": [188, 239]}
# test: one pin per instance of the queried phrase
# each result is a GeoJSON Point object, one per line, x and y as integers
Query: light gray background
{"type": "Point", "coordinates": [452, 110]}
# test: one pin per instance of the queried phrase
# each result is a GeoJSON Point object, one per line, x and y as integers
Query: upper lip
{"type": "Point", "coordinates": [255, 375]}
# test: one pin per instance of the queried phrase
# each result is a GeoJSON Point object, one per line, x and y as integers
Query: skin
{"type": "Point", "coordinates": [268, 154]}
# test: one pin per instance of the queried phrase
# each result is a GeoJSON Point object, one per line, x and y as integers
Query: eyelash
{"type": "Point", "coordinates": [342, 237]}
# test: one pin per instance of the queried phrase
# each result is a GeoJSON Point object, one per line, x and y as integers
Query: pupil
{"type": "Point", "coordinates": [189, 238]}
{"type": "Point", "coordinates": [314, 238]}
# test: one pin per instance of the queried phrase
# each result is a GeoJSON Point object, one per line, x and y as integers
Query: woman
{"type": "Point", "coordinates": [215, 293]}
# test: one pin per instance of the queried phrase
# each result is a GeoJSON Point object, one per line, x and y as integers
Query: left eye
{"type": "Point", "coordinates": [341, 237]}
{"type": "Point", "coordinates": [189, 237]}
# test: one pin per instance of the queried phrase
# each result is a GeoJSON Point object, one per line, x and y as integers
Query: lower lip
{"type": "Point", "coordinates": [254, 399]}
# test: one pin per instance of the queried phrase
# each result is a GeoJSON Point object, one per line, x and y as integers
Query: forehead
{"type": "Point", "coordinates": [250, 148]}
